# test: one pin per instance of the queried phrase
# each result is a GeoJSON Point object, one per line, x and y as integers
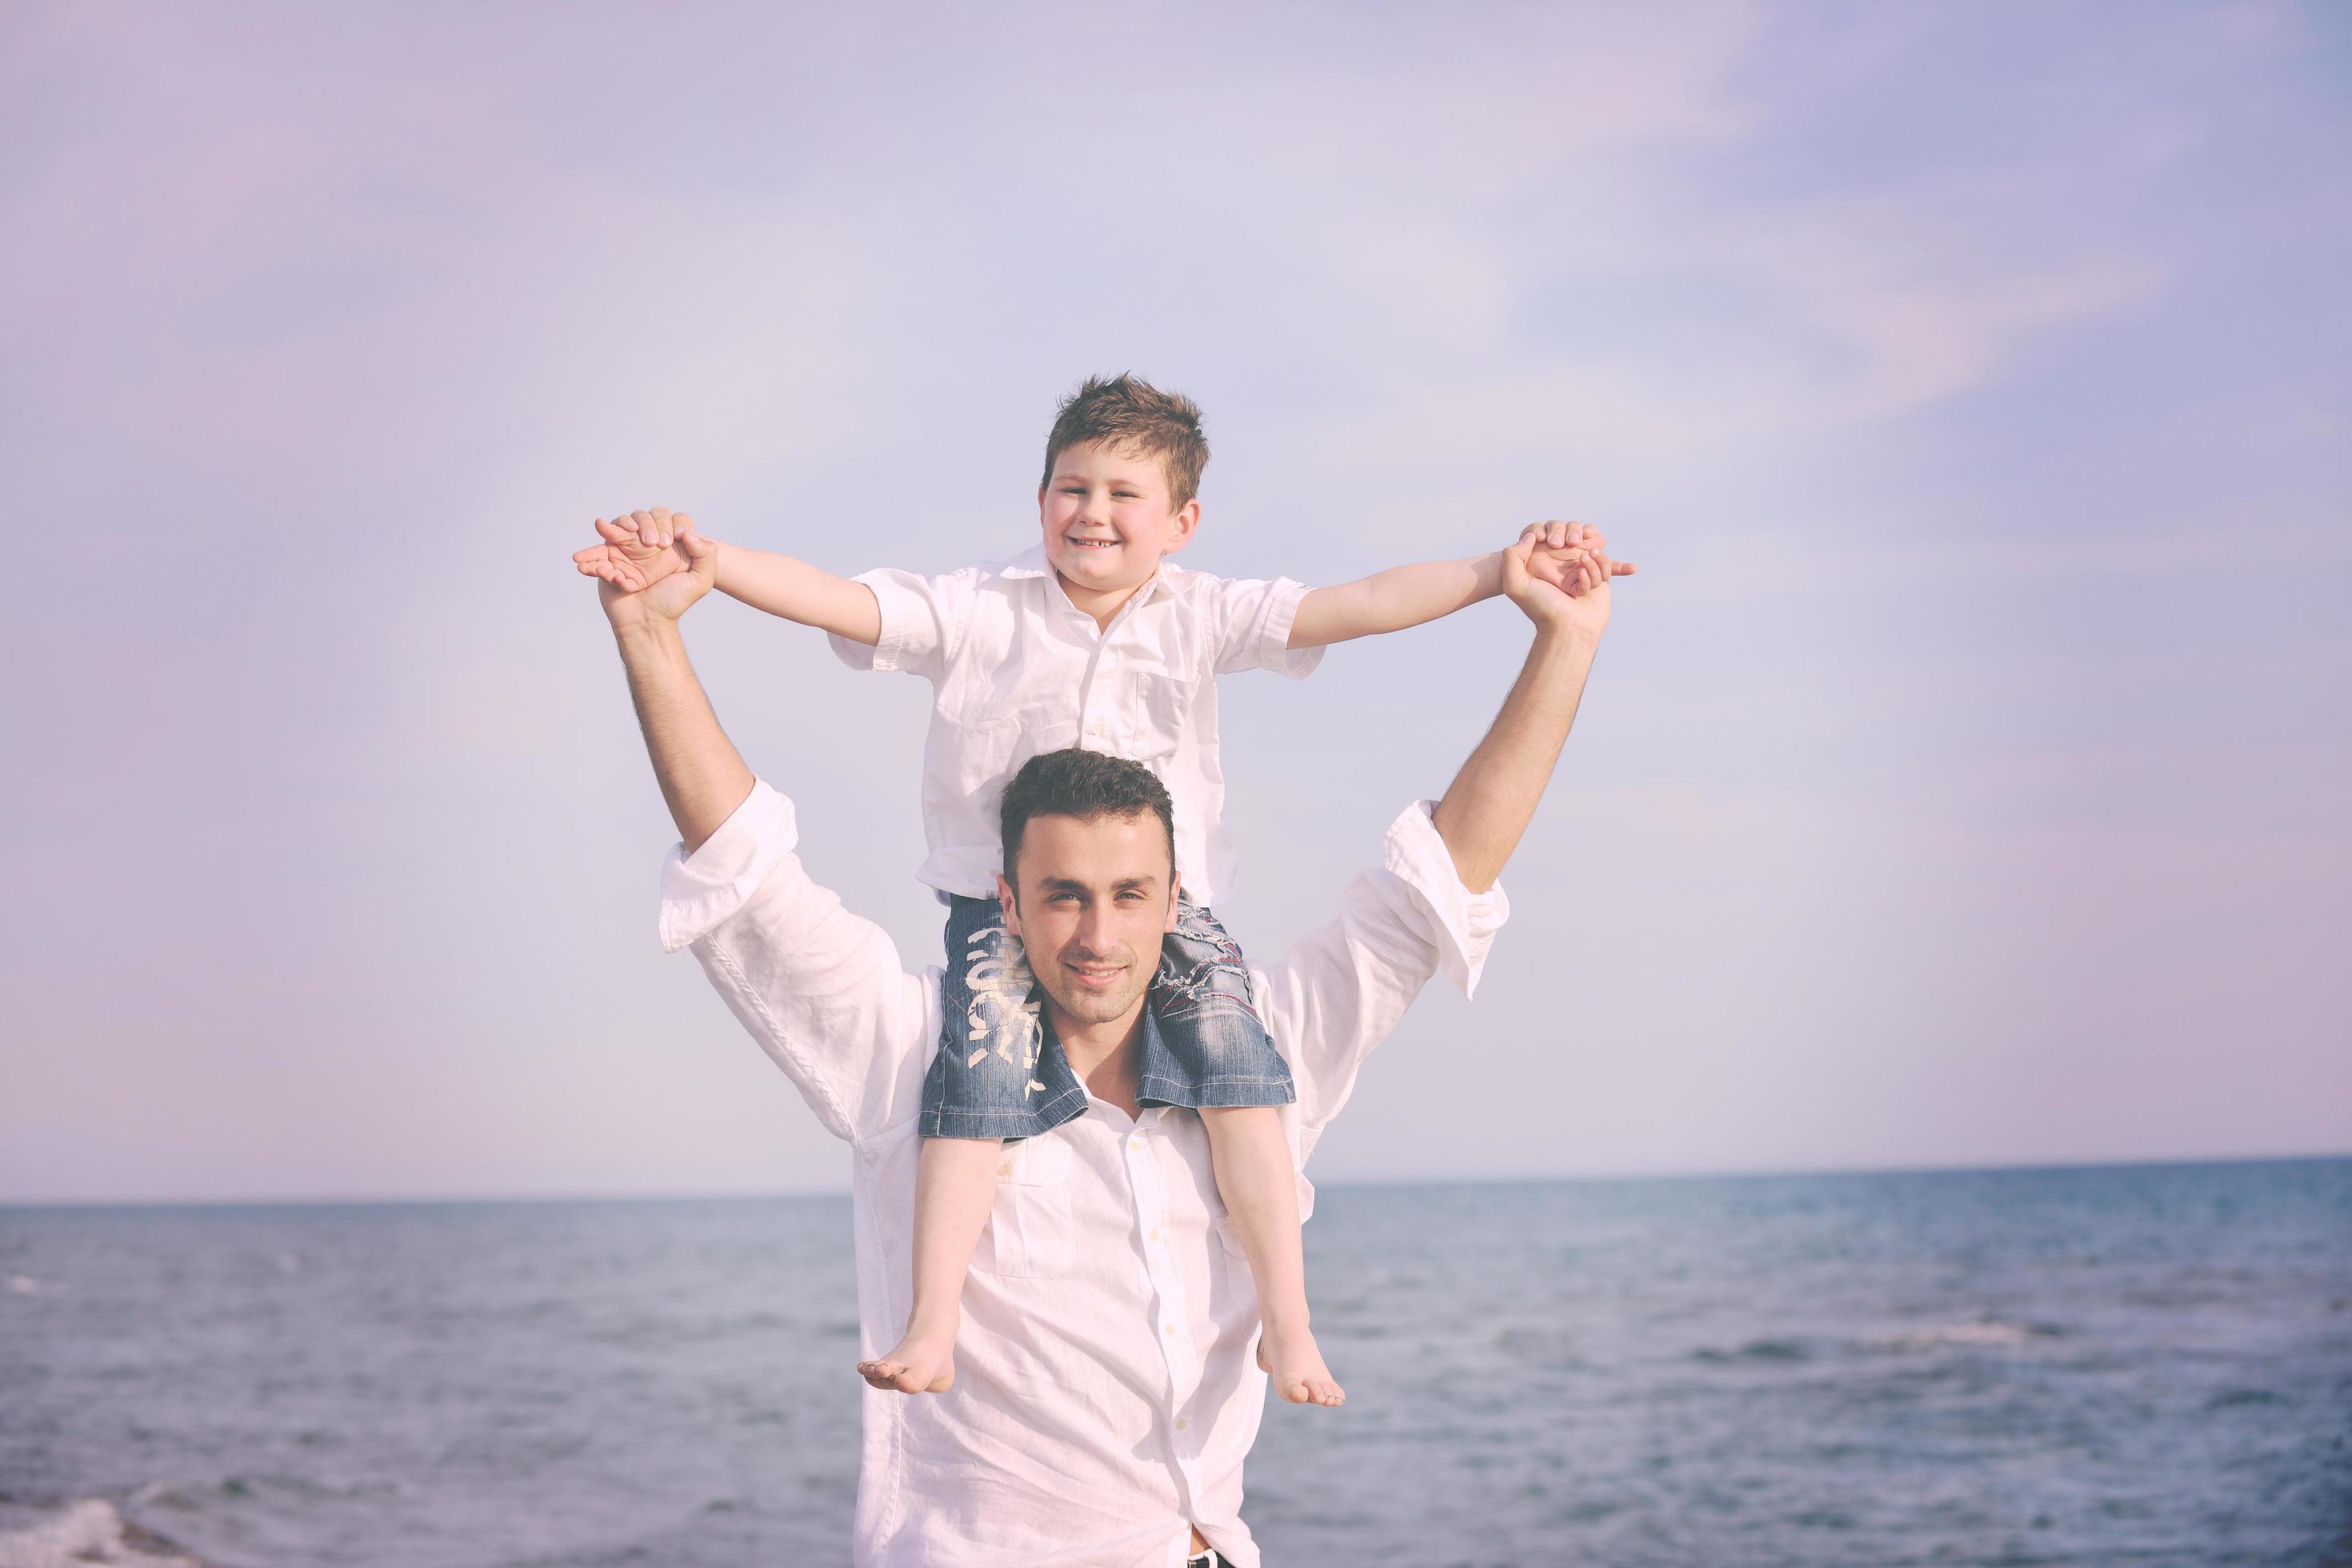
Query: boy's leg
{"type": "Point", "coordinates": [979, 1092]}
{"type": "Point", "coordinates": [1210, 1052]}
{"type": "Point", "coordinates": [955, 1187]}
{"type": "Point", "coordinates": [1261, 1193]}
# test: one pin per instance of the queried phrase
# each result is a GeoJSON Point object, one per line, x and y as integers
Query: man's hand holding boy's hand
{"type": "Point", "coordinates": [1561, 585]}
{"type": "Point", "coordinates": [684, 568]}
{"type": "Point", "coordinates": [639, 550]}
{"type": "Point", "coordinates": [1557, 549]}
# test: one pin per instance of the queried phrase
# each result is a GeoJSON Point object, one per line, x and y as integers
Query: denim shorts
{"type": "Point", "coordinates": [1000, 1073]}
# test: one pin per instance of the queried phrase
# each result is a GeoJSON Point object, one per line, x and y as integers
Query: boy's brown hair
{"type": "Point", "coordinates": [1129, 414]}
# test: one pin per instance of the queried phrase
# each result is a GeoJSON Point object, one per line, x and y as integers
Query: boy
{"type": "Point", "coordinates": [1091, 641]}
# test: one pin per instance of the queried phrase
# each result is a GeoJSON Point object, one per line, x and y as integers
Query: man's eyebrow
{"type": "Point", "coordinates": [1072, 885]}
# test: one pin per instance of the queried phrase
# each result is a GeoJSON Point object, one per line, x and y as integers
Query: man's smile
{"type": "Point", "coordinates": [1095, 975]}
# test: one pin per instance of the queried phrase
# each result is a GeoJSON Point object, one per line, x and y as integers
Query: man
{"type": "Point", "coordinates": [1104, 1395]}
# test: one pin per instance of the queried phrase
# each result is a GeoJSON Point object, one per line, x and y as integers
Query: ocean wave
{"type": "Point", "coordinates": [1768, 1351]}
{"type": "Point", "coordinates": [83, 1533]}
{"type": "Point", "coordinates": [1977, 1335]}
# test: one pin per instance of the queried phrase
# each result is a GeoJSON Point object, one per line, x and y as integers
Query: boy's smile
{"type": "Point", "coordinates": [1106, 524]}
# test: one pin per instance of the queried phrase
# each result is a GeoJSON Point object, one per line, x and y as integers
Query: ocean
{"type": "Point", "coordinates": [2094, 1365]}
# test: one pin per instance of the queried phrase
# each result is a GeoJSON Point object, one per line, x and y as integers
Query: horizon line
{"type": "Point", "coordinates": [740, 1195]}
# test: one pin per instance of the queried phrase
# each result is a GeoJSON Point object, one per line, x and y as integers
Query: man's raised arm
{"type": "Point", "coordinates": [820, 990]}
{"type": "Point", "coordinates": [1431, 905]}
{"type": "Point", "coordinates": [1492, 798]}
{"type": "Point", "coordinates": [702, 777]}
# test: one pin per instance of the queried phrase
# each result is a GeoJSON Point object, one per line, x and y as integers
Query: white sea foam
{"type": "Point", "coordinates": [83, 1533]}
{"type": "Point", "coordinates": [1987, 1333]}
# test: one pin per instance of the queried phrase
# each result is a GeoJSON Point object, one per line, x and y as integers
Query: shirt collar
{"type": "Point", "coordinates": [1147, 1046]}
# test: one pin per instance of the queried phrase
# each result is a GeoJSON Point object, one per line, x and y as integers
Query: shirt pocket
{"type": "Point", "coordinates": [1159, 708]}
{"type": "Point", "coordinates": [1028, 1231]}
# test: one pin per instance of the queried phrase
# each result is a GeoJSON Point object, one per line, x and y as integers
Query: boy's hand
{"type": "Point", "coordinates": [639, 550]}
{"type": "Point", "coordinates": [1558, 547]}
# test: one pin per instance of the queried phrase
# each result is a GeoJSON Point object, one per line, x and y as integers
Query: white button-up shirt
{"type": "Point", "coordinates": [1105, 1389]}
{"type": "Point", "coordinates": [1016, 669]}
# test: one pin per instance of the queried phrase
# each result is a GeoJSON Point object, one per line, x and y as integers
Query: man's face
{"type": "Point", "coordinates": [1106, 518]}
{"type": "Point", "coordinates": [1095, 897]}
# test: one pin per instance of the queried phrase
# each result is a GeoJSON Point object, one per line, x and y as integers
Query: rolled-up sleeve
{"type": "Point", "coordinates": [922, 621]}
{"type": "Point", "coordinates": [1254, 620]}
{"type": "Point", "coordinates": [819, 989]}
{"type": "Point", "coordinates": [1340, 990]}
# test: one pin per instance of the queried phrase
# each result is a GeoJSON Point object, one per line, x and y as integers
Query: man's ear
{"type": "Point", "coordinates": [1175, 888]}
{"type": "Point", "coordinates": [1186, 518]}
{"type": "Point", "coordinates": [1013, 915]}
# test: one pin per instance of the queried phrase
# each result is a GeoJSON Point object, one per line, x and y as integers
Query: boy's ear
{"type": "Point", "coordinates": [1186, 518]}
{"type": "Point", "coordinates": [1011, 915]}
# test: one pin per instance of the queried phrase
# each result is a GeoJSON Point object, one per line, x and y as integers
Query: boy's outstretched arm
{"type": "Point", "coordinates": [1405, 596]}
{"type": "Point", "coordinates": [641, 548]}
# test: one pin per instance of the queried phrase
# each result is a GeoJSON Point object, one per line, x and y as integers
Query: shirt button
{"type": "Point", "coordinates": [1169, 1328]}
{"type": "Point", "coordinates": [1155, 1236]}
{"type": "Point", "coordinates": [1135, 1142]}
{"type": "Point", "coordinates": [1005, 1169]}
{"type": "Point", "coordinates": [1181, 1424]}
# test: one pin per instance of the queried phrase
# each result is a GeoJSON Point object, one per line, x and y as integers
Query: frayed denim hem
{"type": "Point", "coordinates": [1215, 1093]}
{"type": "Point", "coordinates": [946, 1122]}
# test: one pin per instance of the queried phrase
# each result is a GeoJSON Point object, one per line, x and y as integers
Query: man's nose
{"type": "Point", "coordinates": [1094, 933]}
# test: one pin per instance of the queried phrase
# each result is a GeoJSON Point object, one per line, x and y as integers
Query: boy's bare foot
{"type": "Point", "coordinates": [922, 1362]}
{"type": "Point", "coordinates": [1296, 1366]}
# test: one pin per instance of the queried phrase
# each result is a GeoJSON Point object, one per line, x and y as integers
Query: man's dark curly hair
{"type": "Point", "coordinates": [1083, 784]}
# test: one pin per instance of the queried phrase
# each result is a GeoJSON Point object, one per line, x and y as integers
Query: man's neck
{"type": "Point", "coordinates": [1102, 1055]}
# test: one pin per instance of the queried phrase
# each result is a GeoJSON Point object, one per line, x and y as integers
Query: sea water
{"type": "Point", "coordinates": [2142, 1364]}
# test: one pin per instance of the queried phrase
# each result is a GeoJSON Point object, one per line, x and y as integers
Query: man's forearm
{"type": "Point", "coordinates": [1494, 797]}
{"type": "Point", "coordinates": [1392, 600]}
{"type": "Point", "coordinates": [797, 590]}
{"type": "Point", "coordinates": [703, 779]}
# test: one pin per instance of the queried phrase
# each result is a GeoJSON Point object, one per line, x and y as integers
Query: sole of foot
{"type": "Point", "coordinates": [1304, 1381]}
{"type": "Point", "coordinates": [898, 1377]}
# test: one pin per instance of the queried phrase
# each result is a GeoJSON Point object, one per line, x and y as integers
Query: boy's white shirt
{"type": "Point", "coordinates": [1104, 1397]}
{"type": "Point", "coordinates": [1016, 670]}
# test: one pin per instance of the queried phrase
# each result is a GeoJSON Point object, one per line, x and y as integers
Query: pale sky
{"type": "Point", "coordinates": [1963, 780]}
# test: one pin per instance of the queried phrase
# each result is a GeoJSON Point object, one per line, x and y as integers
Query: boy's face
{"type": "Point", "coordinates": [1107, 517]}
{"type": "Point", "coordinates": [1096, 894]}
